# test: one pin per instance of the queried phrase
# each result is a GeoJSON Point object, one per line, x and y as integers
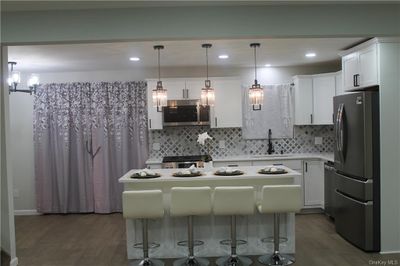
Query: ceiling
{"type": "Point", "coordinates": [34, 5]}
{"type": "Point", "coordinates": [115, 56]}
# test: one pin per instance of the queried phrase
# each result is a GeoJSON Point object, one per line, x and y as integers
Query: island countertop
{"type": "Point", "coordinates": [250, 172]}
{"type": "Point", "coordinates": [251, 177]}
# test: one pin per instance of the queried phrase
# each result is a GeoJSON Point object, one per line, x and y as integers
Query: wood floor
{"type": "Point", "coordinates": [99, 240]}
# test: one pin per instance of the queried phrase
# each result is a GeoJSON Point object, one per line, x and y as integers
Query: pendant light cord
{"type": "Point", "coordinates": [159, 68]}
{"type": "Point", "coordinates": [255, 64]}
{"type": "Point", "coordinates": [207, 61]}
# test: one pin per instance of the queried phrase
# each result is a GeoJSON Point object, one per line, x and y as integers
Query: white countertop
{"type": "Point", "coordinates": [250, 173]}
{"type": "Point", "coordinates": [273, 157]}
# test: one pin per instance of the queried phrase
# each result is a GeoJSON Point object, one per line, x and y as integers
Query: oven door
{"type": "Point", "coordinates": [186, 164]}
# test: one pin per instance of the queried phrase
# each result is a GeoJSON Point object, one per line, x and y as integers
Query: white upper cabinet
{"type": "Point", "coordinates": [339, 83]}
{"type": "Point", "coordinates": [314, 94]}
{"type": "Point", "coordinates": [323, 92]}
{"type": "Point", "coordinates": [360, 68]}
{"type": "Point", "coordinates": [350, 70]}
{"type": "Point", "coordinates": [176, 88]}
{"type": "Point", "coordinates": [193, 88]}
{"type": "Point", "coordinates": [227, 110]}
{"type": "Point", "coordinates": [154, 117]}
{"type": "Point", "coordinates": [368, 58]}
{"type": "Point", "coordinates": [303, 97]}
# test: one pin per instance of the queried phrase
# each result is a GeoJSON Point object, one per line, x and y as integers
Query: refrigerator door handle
{"type": "Point", "coordinates": [337, 129]}
{"type": "Point", "coordinates": [341, 131]}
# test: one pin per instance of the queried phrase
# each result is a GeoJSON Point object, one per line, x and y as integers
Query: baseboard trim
{"type": "Point", "coordinates": [25, 212]}
{"type": "Point", "coordinates": [14, 262]}
{"type": "Point", "coordinates": [390, 252]}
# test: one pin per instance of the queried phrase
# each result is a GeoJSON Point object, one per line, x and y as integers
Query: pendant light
{"type": "Point", "coordinates": [256, 93]}
{"type": "Point", "coordinates": [159, 94]}
{"type": "Point", "coordinates": [207, 97]}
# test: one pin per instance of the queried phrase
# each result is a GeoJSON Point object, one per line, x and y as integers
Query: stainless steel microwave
{"type": "Point", "coordinates": [185, 112]}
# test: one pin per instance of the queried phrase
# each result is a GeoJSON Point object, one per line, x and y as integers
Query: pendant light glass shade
{"type": "Point", "coordinates": [159, 94]}
{"type": "Point", "coordinates": [256, 95]}
{"type": "Point", "coordinates": [256, 92]}
{"type": "Point", "coordinates": [207, 97]}
{"type": "Point", "coordinates": [33, 81]}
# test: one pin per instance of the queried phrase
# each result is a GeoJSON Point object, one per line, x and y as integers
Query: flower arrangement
{"type": "Point", "coordinates": [201, 139]}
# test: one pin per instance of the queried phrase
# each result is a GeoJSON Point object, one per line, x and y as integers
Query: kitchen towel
{"type": "Point", "coordinates": [276, 113]}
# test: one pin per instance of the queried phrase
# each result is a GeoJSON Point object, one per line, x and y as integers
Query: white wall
{"type": "Point", "coordinates": [21, 106]}
{"type": "Point", "coordinates": [21, 127]}
{"type": "Point", "coordinates": [390, 146]}
{"type": "Point", "coordinates": [7, 228]}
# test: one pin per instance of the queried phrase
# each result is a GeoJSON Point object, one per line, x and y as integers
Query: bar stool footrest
{"type": "Point", "coordinates": [185, 243]}
{"type": "Point", "coordinates": [151, 245]}
{"type": "Point", "coordinates": [228, 242]}
{"type": "Point", "coordinates": [270, 239]}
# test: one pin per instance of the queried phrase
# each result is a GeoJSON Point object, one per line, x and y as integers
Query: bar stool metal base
{"type": "Point", "coordinates": [234, 260]}
{"type": "Point", "coordinates": [277, 259]}
{"type": "Point", "coordinates": [191, 261]}
{"type": "Point", "coordinates": [146, 262]}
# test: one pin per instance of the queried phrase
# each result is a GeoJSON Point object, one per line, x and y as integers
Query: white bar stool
{"type": "Point", "coordinates": [190, 201]}
{"type": "Point", "coordinates": [233, 201]}
{"type": "Point", "coordinates": [279, 199]}
{"type": "Point", "coordinates": [143, 204]}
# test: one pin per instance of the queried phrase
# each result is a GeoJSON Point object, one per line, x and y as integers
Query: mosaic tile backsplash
{"type": "Point", "coordinates": [183, 141]}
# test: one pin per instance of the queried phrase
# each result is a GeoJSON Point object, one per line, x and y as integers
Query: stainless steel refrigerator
{"type": "Point", "coordinates": [357, 165]}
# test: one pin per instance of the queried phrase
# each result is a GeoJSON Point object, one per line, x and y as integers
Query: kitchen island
{"type": "Point", "coordinates": [210, 229]}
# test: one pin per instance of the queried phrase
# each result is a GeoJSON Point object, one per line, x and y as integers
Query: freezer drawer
{"type": "Point", "coordinates": [355, 222]}
{"type": "Point", "coordinates": [359, 189]}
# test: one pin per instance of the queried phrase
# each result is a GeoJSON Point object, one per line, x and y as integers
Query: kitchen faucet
{"type": "Point", "coordinates": [270, 149]}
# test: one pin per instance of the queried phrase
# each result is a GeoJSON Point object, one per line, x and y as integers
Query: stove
{"type": "Point", "coordinates": [185, 161]}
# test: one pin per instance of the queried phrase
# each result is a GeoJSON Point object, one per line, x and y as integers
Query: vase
{"type": "Point", "coordinates": [208, 166]}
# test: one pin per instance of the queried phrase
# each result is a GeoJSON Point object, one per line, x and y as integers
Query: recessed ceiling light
{"type": "Point", "coordinates": [134, 58]}
{"type": "Point", "coordinates": [267, 65]}
{"type": "Point", "coordinates": [311, 54]}
{"type": "Point", "coordinates": [223, 56]}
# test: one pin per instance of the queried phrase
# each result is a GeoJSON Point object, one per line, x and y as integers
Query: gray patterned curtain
{"type": "Point", "coordinates": [86, 136]}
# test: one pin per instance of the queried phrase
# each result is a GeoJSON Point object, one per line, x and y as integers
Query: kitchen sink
{"type": "Point", "coordinates": [271, 156]}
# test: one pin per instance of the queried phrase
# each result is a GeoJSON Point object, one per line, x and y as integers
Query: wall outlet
{"type": "Point", "coordinates": [221, 144]}
{"type": "Point", "coordinates": [156, 146]}
{"type": "Point", "coordinates": [16, 193]}
{"type": "Point", "coordinates": [318, 140]}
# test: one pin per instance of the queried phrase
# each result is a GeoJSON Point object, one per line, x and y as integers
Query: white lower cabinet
{"type": "Point", "coordinates": [311, 180]}
{"type": "Point", "coordinates": [313, 176]}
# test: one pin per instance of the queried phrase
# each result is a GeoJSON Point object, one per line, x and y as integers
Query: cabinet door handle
{"type": "Point", "coordinates": [187, 93]}
{"type": "Point", "coordinates": [183, 93]}
{"type": "Point", "coordinates": [216, 121]}
{"type": "Point", "coordinates": [354, 80]}
{"type": "Point", "coordinates": [357, 84]}
{"type": "Point", "coordinates": [306, 167]}
{"type": "Point", "coordinates": [311, 118]}
{"type": "Point", "coordinates": [149, 123]}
